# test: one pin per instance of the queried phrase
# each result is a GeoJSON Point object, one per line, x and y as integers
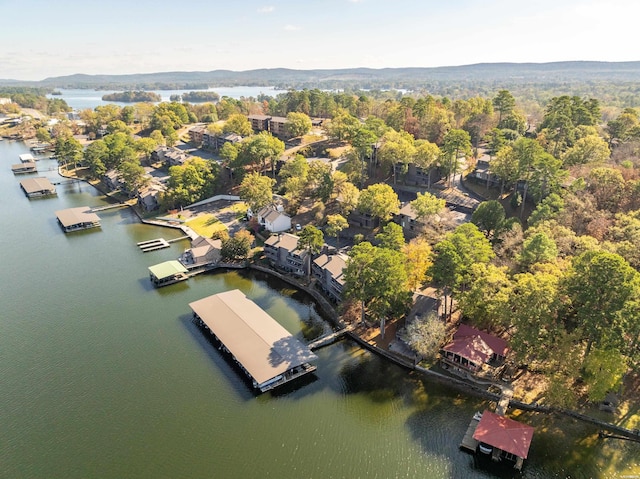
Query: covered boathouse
{"type": "Point", "coordinates": [267, 353]}
{"type": "Point", "coordinates": [167, 273]}
{"type": "Point", "coordinates": [503, 439]}
{"type": "Point", "coordinates": [21, 168]}
{"type": "Point", "coordinates": [75, 219]}
{"type": "Point", "coordinates": [37, 187]}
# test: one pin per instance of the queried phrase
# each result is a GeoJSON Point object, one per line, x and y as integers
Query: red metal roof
{"type": "Point", "coordinates": [497, 345]}
{"type": "Point", "coordinates": [504, 433]}
{"type": "Point", "coordinates": [471, 347]}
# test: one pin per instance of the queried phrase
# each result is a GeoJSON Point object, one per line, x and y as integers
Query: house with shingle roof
{"type": "Point", "coordinates": [328, 271]}
{"type": "Point", "coordinates": [273, 219]}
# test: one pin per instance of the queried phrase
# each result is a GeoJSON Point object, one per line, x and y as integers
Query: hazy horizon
{"type": "Point", "coordinates": [72, 37]}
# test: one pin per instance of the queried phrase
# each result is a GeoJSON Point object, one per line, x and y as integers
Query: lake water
{"type": "Point", "coordinates": [103, 376]}
{"type": "Point", "coordinates": [80, 99]}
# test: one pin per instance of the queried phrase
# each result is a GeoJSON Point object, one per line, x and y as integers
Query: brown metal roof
{"type": "Point", "coordinates": [75, 216]}
{"type": "Point", "coordinates": [22, 166]}
{"type": "Point", "coordinates": [33, 185]}
{"type": "Point", "coordinates": [262, 346]}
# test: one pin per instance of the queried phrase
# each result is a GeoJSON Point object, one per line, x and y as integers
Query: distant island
{"type": "Point", "coordinates": [132, 96]}
{"type": "Point", "coordinates": [198, 96]}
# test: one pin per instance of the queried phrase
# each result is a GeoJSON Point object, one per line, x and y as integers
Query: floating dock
{"type": "Point", "coordinates": [153, 245]}
{"type": "Point", "coordinates": [470, 444]}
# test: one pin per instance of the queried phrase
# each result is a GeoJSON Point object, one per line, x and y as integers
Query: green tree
{"type": "Point", "coordinates": [190, 182]}
{"type": "Point", "coordinates": [455, 144]}
{"type": "Point", "coordinates": [590, 149]}
{"type": "Point", "coordinates": [397, 151]}
{"type": "Point", "coordinates": [146, 146]}
{"type": "Point", "coordinates": [604, 370]}
{"type": "Point", "coordinates": [262, 149]}
{"type": "Point", "coordinates": [256, 191]}
{"type": "Point", "coordinates": [489, 217]}
{"type": "Point", "coordinates": [538, 248]}
{"type": "Point", "coordinates": [343, 126]}
{"type": "Point", "coordinates": [391, 237]}
{"type": "Point", "coordinates": [426, 206]}
{"type": "Point", "coordinates": [426, 157]}
{"type": "Point", "coordinates": [94, 157]}
{"type": "Point", "coordinates": [532, 309]}
{"type": "Point", "coordinates": [298, 124]}
{"type": "Point", "coordinates": [238, 246]}
{"type": "Point", "coordinates": [348, 198]}
{"type": "Point", "coordinates": [43, 135]}
{"type": "Point", "coordinates": [228, 152]}
{"type": "Point", "coordinates": [504, 103]}
{"type": "Point", "coordinates": [68, 150]}
{"type": "Point", "coordinates": [320, 180]}
{"type": "Point", "coordinates": [379, 200]}
{"type": "Point", "coordinates": [238, 124]}
{"type": "Point", "coordinates": [311, 239]}
{"type": "Point", "coordinates": [133, 175]}
{"type": "Point", "coordinates": [118, 125]}
{"type": "Point", "coordinates": [445, 270]}
{"type": "Point", "coordinates": [335, 224]}
{"type": "Point", "coordinates": [505, 166]}
{"type": "Point", "coordinates": [376, 277]}
{"type": "Point", "coordinates": [487, 296]}
{"type": "Point", "coordinates": [599, 284]}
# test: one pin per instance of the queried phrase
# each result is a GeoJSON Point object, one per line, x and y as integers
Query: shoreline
{"type": "Point", "coordinates": [461, 385]}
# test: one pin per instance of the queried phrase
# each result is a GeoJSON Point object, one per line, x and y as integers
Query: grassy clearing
{"type": "Point", "coordinates": [206, 225]}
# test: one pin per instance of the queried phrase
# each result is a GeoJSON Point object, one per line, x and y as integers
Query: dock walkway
{"type": "Point", "coordinates": [329, 338]}
{"type": "Point", "coordinates": [108, 207]}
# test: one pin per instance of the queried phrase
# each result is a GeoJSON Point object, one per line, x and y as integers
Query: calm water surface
{"type": "Point", "coordinates": [102, 376]}
{"type": "Point", "coordinates": [80, 99]}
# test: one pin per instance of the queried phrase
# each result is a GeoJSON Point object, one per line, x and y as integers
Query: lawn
{"type": "Point", "coordinates": [206, 225]}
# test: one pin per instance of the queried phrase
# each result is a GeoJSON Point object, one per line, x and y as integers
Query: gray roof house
{"type": "Point", "coordinates": [283, 253]}
{"type": "Point", "coordinates": [328, 271]}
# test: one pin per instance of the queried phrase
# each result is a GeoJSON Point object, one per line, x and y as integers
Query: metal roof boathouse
{"type": "Point", "coordinates": [267, 353]}
{"type": "Point", "coordinates": [167, 273]}
{"type": "Point", "coordinates": [36, 187]}
{"type": "Point", "coordinates": [75, 219]}
{"type": "Point", "coordinates": [21, 168]}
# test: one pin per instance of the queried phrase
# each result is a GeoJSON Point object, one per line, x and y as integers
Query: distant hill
{"type": "Point", "coordinates": [410, 78]}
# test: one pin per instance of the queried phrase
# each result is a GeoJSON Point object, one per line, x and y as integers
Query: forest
{"type": "Point", "coordinates": [549, 260]}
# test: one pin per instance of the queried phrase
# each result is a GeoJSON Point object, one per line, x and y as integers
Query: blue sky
{"type": "Point", "coordinates": [42, 38]}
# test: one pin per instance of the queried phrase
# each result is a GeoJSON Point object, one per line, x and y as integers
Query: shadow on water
{"type": "Point", "coordinates": [233, 374]}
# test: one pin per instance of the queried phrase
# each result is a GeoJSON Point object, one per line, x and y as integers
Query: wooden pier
{"type": "Point", "coordinates": [153, 245]}
{"type": "Point", "coordinates": [329, 338]}
{"type": "Point", "coordinates": [469, 444]}
{"type": "Point", "coordinates": [158, 243]}
{"type": "Point", "coordinates": [108, 207]}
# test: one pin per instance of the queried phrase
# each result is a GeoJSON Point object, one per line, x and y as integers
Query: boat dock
{"type": "Point", "coordinates": [470, 444]}
{"type": "Point", "coordinates": [329, 338]}
{"type": "Point", "coordinates": [153, 245]}
{"type": "Point", "coordinates": [158, 243]}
